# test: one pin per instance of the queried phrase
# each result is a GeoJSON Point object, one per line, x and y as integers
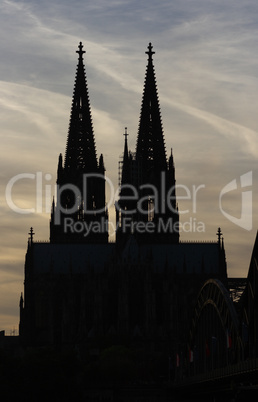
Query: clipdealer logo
{"type": "Point", "coordinates": [245, 221]}
{"type": "Point", "coordinates": [43, 191]}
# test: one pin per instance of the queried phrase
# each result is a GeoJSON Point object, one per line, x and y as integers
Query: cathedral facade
{"type": "Point", "coordinates": [85, 290]}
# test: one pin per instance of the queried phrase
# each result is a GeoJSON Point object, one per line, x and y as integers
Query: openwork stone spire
{"type": "Point", "coordinates": [150, 147]}
{"type": "Point", "coordinates": [80, 149]}
{"type": "Point", "coordinates": [149, 172]}
{"type": "Point", "coordinates": [81, 181]}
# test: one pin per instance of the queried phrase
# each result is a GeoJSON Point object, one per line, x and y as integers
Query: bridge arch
{"type": "Point", "coordinates": [214, 335]}
{"type": "Point", "coordinates": [249, 304]}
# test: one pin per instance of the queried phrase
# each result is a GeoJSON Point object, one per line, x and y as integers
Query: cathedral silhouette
{"type": "Point", "coordinates": [139, 290]}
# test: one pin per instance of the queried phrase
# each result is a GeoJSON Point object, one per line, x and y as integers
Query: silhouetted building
{"type": "Point", "coordinates": [81, 180]}
{"type": "Point", "coordinates": [147, 177]}
{"type": "Point", "coordinates": [81, 289]}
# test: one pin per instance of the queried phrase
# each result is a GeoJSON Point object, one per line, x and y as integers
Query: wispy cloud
{"type": "Point", "coordinates": [236, 132]}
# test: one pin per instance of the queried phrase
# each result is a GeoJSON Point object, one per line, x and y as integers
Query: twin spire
{"type": "Point", "coordinates": [150, 142]}
{"type": "Point", "coordinates": [81, 172]}
{"type": "Point", "coordinates": [146, 170]}
{"type": "Point", "coordinates": [148, 165]}
{"type": "Point", "coordinates": [80, 150]}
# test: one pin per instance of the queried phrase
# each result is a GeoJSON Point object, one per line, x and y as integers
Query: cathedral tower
{"type": "Point", "coordinates": [147, 204]}
{"type": "Point", "coordinates": [80, 204]}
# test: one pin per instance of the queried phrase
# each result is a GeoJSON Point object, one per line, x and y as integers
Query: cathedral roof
{"type": "Point", "coordinates": [80, 258]}
{"type": "Point", "coordinates": [192, 257]}
{"type": "Point", "coordinates": [64, 258]}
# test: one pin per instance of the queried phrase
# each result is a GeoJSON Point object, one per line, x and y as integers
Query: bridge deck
{"type": "Point", "coordinates": [232, 378]}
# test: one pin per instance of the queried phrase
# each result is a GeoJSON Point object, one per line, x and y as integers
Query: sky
{"type": "Point", "coordinates": [206, 64]}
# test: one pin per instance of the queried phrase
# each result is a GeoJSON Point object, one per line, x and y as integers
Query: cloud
{"type": "Point", "coordinates": [224, 127]}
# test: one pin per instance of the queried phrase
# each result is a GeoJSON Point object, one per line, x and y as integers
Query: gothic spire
{"type": "Point", "coordinates": [80, 150]}
{"type": "Point", "coordinates": [150, 147]}
{"type": "Point", "coordinates": [125, 170]}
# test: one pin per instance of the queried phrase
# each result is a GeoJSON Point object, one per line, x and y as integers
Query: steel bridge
{"type": "Point", "coordinates": [222, 350]}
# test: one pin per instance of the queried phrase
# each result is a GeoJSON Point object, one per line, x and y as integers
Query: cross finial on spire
{"type": "Point", "coordinates": [219, 234]}
{"type": "Point", "coordinates": [80, 51]}
{"type": "Point", "coordinates": [31, 233]}
{"type": "Point", "coordinates": [125, 133]}
{"type": "Point", "coordinates": [150, 52]}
